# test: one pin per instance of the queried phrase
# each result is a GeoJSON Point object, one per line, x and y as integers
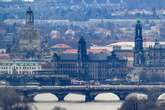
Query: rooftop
{"type": "Point", "coordinates": [60, 46]}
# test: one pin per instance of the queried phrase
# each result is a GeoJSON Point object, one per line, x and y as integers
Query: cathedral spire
{"type": "Point", "coordinates": [29, 17]}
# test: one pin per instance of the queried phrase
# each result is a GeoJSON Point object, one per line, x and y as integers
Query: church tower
{"type": "Point", "coordinates": [82, 50]}
{"type": "Point", "coordinates": [29, 17]}
{"type": "Point", "coordinates": [29, 43]}
{"type": "Point", "coordinates": [82, 59]}
{"type": "Point", "coordinates": [138, 49]}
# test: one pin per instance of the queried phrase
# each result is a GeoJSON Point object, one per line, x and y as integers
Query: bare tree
{"type": "Point", "coordinates": [136, 103]}
{"type": "Point", "coordinates": [10, 100]}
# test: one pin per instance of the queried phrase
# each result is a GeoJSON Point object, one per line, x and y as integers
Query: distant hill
{"type": "Point", "coordinates": [130, 3]}
{"type": "Point", "coordinates": [145, 3]}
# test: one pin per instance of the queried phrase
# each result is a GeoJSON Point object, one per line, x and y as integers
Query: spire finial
{"type": "Point", "coordinates": [29, 16]}
{"type": "Point", "coordinates": [138, 21]}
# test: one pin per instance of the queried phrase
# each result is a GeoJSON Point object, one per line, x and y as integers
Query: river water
{"type": "Point", "coordinates": [76, 102]}
{"type": "Point", "coordinates": [80, 106]}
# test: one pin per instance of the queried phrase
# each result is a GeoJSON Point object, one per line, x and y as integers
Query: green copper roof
{"type": "Point", "coordinates": [138, 21]}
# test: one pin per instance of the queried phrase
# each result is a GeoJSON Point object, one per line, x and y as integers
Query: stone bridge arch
{"type": "Point", "coordinates": [90, 96]}
{"type": "Point", "coordinates": [108, 96]}
{"type": "Point", "coordinates": [75, 97]}
{"type": "Point", "coordinates": [30, 97]}
{"type": "Point", "coordinates": [161, 96]}
{"type": "Point", "coordinates": [45, 96]}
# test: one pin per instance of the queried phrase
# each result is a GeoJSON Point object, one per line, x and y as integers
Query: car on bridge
{"type": "Point", "coordinates": [4, 83]}
{"type": "Point", "coordinates": [33, 84]}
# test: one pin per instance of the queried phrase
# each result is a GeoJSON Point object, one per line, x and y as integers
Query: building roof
{"type": "Point", "coordinates": [19, 63]}
{"type": "Point", "coordinates": [61, 46]}
{"type": "Point", "coordinates": [101, 57]}
{"type": "Point", "coordinates": [69, 57]}
{"type": "Point", "coordinates": [70, 51]}
{"type": "Point", "coordinates": [96, 47]}
{"type": "Point", "coordinates": [97, 50]}
{"type": "Point", "coordinates": [4, 56]}
{"type": "Point", "coordinates": [130, 45]}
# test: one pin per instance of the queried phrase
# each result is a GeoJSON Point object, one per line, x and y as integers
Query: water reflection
{"type": "Point", "coordinates": [80, 106]}
{"type": "Point", "coordinates": [76, 102]}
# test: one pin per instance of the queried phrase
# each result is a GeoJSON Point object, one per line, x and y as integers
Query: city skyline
{"type": "Point", "coordinates": [89, 51]}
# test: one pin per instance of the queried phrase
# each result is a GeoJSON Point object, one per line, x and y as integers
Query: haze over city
{"type": "Point", "coordinates": [82, 54]}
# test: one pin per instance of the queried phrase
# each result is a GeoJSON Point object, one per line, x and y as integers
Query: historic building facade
{"type": "Point", "coordinates": [155, 56]}
{"type": "Point", "coordinates": [84, 67]}
{"type": "Point", "coordinates": [151, 60]}
{"type": "Point", "coordinates": [19, 67]}
{"type": "Point", "coordinates": [152, 56]}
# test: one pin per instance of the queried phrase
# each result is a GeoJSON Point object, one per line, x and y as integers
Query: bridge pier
{"type": "Point", "coordinates": [122, 95]}
{"type": "Point", "coordinates": [60, 97]}
{"type": "Point", "coordinates": [29, 97]}
{"type": "Point", "coordinates": [153, 97]}
{"type": "Point", "coordinates": [89, 97]}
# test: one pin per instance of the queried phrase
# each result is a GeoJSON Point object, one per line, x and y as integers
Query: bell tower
{"type": "Point", "coordinates": [138, 49]}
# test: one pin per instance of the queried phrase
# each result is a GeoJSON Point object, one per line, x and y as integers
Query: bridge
{"type": "Point", "coordinates": [90, 92]}
{"type": "Point", "coordinates": [45, 79]}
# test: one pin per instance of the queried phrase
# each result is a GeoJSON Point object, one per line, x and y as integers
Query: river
{"type": "Point", "coordinates": [76, 102]}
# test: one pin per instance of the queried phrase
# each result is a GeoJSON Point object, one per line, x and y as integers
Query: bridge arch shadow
{"type": "Point", "coordinates": [108, 96]}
